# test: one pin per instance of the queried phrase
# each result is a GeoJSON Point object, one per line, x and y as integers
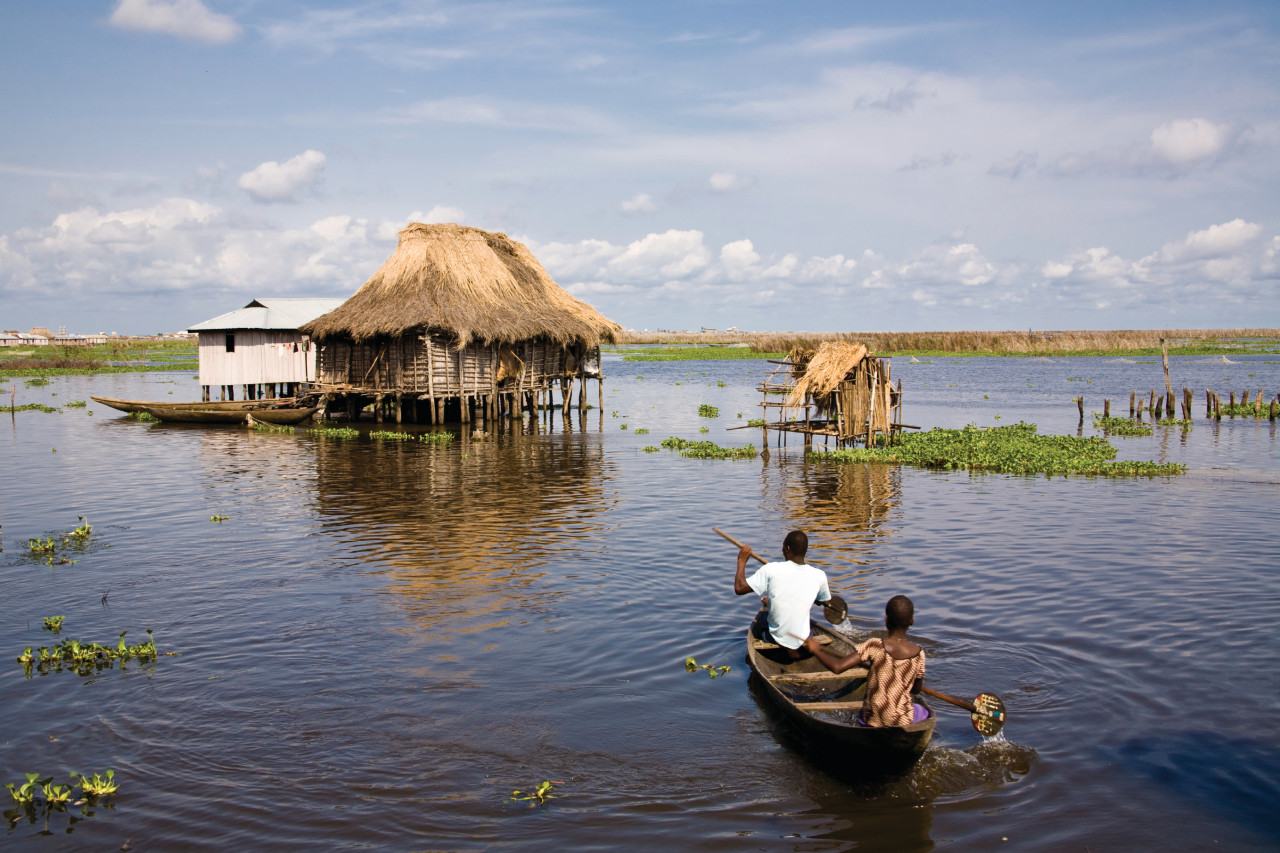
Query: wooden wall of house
{"type": "Point", "coordinates": [434, 365]}
{"type": "Point", "coordinates": [260, 357]}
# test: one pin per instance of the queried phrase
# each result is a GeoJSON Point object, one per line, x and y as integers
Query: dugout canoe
{"type": "Point", "coordinates": [143, 405]}
{"type": "Point", "coordinates": [282, 415]}
{"type": "Point", "coordinates": [823, 705]}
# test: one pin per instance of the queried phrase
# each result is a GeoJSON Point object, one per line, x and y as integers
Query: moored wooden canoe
{"type": "Point", "coordinates": [197, 416]}
{"type": "Point", "coordinates": [823, 705]}
{"type": "Point", "coordinates": [143, 405]}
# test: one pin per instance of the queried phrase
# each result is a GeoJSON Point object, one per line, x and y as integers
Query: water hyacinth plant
{"type": "Point", "coordinates": [436, 437]}
{"type": "Point", "coordinates": [1120, 426]}
{"type": "Point", "coordinates": [708, 411]}
{"type": "Point", "coordinates": [707, 449]}
{"type": "Point", "coordinates": [389, 435]}
{"type": "Point", "coordinates": [1014, 449]}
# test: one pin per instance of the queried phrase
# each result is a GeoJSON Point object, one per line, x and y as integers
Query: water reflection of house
{"type": "Point", "coordinates": [259, 347]}
{"type": "Point", "coordinates": [458, 323]}
{"type": "Point", "coordinates": [461, 532]}
{"type": "Point", "coordinates": [845, 509]}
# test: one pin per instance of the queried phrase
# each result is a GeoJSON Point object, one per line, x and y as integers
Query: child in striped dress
{"type": "Point", "coordinates": [895, 668]}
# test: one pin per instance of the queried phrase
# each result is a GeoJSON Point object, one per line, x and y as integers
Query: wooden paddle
{"type": "Point", "coordinates": [833, 608]}
{"type": "Point", "coordinates": [986, 710]}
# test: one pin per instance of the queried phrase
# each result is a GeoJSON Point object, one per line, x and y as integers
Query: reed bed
{"type": "Point", "coordinates": [1078, 342]}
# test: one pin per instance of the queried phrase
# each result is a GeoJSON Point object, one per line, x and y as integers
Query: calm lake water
{"type": "Point", "coordinates": [384, 640]}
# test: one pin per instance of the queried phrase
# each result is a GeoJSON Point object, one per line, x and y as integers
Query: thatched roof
{"type": "Point", "coordinates": [471, 283]}
{"type": "Point", "coordinates": [826, 369]}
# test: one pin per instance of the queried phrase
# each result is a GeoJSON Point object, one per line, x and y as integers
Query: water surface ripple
{"type": "Point", "coordinates": [383, 639]}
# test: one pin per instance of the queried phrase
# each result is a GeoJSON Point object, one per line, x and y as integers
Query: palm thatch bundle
{"type": "Point", "coordinates": [471, 284]}
{"type": "Point", "coordinates": [826, 370]}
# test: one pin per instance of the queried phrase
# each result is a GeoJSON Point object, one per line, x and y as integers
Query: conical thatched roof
{"type": "Point", "coordinates": [471, 283]}
{"type": "Point", "coordinates": [826, 369]}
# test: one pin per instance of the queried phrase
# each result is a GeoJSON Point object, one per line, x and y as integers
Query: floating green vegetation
{"type": "Point", "coordinates": [1185, 423]}
{"type": "Point", "coordinates": [1120, 426]}
{"type": "Point", "coordinates": [720, 383]}
{"type": "Point", "coordinates": [41, 796]}
{"type": "Point", "coordinates": [691, 665]}
{"type": "Point", "coordinates": [640, 431]}
{"type": "Point", "coordinates": [696, 353]}
{"type": "Point", "coordinates": [1014, 449]}
{"type": "Point", "coordinates": [142, 416]}
{"type": "Point", "coordinates": [29, 407]}
{"type": "Point", "coordinates": [76, 404]}
{"type": "Point", "coordinates": [389, 435]}
{"type": "Point", "coordinates": [708, 411]}
{"type": "Point", "coordinates": [36, 382]}
{"type": "Point", "coordinates": [52, 623]}
{"type": "Point", "coordinates": [538, 795]}
{"type": "Point", "coordinates": [755, 422]}
{"type": "Point", "coordinates": [651, 449]}
{"type": "Point", "coordinates": [259, 426]}
{"type": "Point", "coordinates": [708, 450]}
{"type": "Point", "coordinates": [85, 658]}
{"type": "Point", "coordinates": [1246, 410]}
{"type": "Point", "coordinates": [436, 437]}
{"type": "Point", "coordinates": [624, 426]}
{"type": "Point", "coordinates": [218, 519]}
{"type": "Point", "coordinates": [52, 550]}
{"type": "Point", "coordinates": [335, 432]}
{"type": "Point", "coordinates": [704, 429]}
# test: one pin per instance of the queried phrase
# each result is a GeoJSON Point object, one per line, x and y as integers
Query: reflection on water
{"type": "Point", "coordinates": [462, 530]}
{"type": "Point", "coordinates": [561, 576]}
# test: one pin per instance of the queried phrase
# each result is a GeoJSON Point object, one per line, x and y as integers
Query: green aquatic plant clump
{"type": "Point", "coordinates": [1120, 426]}
{"type": "Point", "coordinates": [436, 437]}
{"type": "Point", "coordinates": [707, 449]}
{"type": "Point", "coordinates": [1013, 449]}
{"type": "Point", "coordinates": [85, 658]}
{"type": "Point", "coordinates": [389, 435]}
{"type": "Point", "coordinates": [29, 407]}
{"type": "Point", "coordinates": [141, 416]}
{"type": "Point", "coordinates": [335, 432]}
{"type": "Point", "coordinates": [708, 411]}
{"type": "Point", "coordinates": [691, 665]}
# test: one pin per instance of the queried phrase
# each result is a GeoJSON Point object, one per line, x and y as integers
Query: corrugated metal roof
{"type": "Point", "coordinates": [270, 313]}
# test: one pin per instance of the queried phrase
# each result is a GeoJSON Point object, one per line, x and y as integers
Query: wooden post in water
{"type": "Point", "coordinates": [1079, 404]}
{"type": "Point", "coordinates": [1168, 386]}
{"type": "Point", "coordinates": [1275, 405]}
{"type": "Point", "coordinates": [1158, 411]}
{"type": "Point", "coordinates": [1187, 400]}
{"type": "Point", "coordinates": [1140, 402]}
{"type": "Point", "coordinates": [1233, 399]}
{"type": "Point", "coordinates": [1132, 395]}
{"type": "Point", "coordinates": [1257, 404]}
{"type": "Point", "coordinates": [1106, 407]}
{"type": "Point", "coordinates": [1151, 405]}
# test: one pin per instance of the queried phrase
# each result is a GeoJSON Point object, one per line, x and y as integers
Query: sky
{"type": "Point", "coordinates": [805, 166]}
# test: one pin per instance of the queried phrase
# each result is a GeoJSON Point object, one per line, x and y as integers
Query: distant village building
{"type": "Point", "coordinates": [259, 347]}
{"type": "Point", "coordinates": [458, 323]}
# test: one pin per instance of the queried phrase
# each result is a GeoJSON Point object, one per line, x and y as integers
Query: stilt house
{"type": "Point", "coordinates": [259, 348]}
{"type": "Point", "coordinates": [458, 324]}
{"type": "Point", "coordinates": [841, 391]}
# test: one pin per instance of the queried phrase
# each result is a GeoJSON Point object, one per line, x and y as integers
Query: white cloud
{"type": "Point", "coordinates": [725, 182]}
{"type": "Point", "coordinates": [189, 19]}
{"type": "Point", "coordinates": [1215, 241]}
{"type": "Point", "coordinates": [673, 254]}
{"type": "Point", "coordinates": [1185, 141]}
{"type": "Point", "coordinates": [638, 203]}
{"type": "Point", "coordinates": [273, 182]}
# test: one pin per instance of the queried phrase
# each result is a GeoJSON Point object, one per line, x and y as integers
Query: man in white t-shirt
{"type": "Point", "coordinates": [788, 588]}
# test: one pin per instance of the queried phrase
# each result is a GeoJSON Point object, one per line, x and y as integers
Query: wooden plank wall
{"type": "Point", "coordinates": [259, 358]}
{"type": "Point", "coordinates": [434, 365]}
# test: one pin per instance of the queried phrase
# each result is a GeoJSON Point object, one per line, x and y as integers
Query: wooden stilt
{"type": "Point", "coordinates": [1106, 408]}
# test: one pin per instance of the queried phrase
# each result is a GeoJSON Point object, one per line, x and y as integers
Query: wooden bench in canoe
{"type": "Point", "coordinates": [823, 705]}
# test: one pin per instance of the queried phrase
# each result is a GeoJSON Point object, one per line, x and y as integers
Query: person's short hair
{"type": "Point", "coordinates": [797, 541]}
{"type": "Point", "coordinates": [899, 612]}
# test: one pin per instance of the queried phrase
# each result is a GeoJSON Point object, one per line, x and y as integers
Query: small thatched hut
{"type": "Point", "coordinates": [844, 391]}
{"type": "Point", "coordinates": [462, 318]}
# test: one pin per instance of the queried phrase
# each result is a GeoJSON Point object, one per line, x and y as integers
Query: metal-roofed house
{"type": "Point", "coordinates": [260, 348]}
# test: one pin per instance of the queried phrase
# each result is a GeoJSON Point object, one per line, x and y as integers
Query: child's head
{"type": "Point", "coordinates": [796, 543]}
{"type": "Point", "coordinates": [899, 613]}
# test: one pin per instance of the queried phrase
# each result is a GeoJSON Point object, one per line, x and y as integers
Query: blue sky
{"type": "Point", "coordinates": [821, 166]}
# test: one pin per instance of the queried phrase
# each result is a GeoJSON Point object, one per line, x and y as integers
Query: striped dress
{"type": "Point", "coordinates": [889, 681]}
